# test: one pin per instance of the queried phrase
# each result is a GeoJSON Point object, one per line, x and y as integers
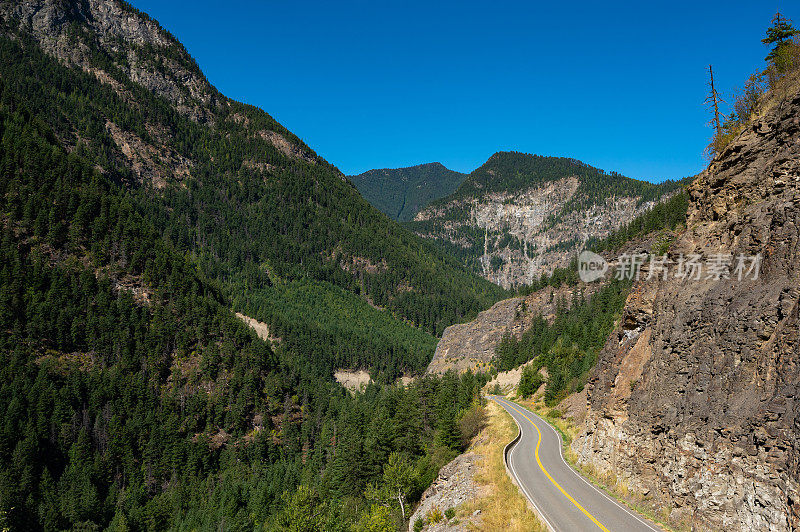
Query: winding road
{"type": "Point", "coordinates": [564, 499]}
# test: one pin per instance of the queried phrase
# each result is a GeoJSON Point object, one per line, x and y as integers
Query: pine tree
{"type": "Point", "coordinates": [408, 424]}
{"type": "Point", "coordinates": [780, 36]}
{"type": "Point", "coordinates": [346, 475]}
{"type": "Point", "coordinates": [447, 432]}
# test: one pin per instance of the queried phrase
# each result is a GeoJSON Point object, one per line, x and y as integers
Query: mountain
{"type": "Point", "coordinates": [223, 181]}
{"type": "Point", "coordinates": [179, 278]}
{"type": "Point", "coordinates": [693, 404]}
{"type": "Point", "coordinates": [520, 216]}
{"type": "Point", "coordinates": [400, 193]}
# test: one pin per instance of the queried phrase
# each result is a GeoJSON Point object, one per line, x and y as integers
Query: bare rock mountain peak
{"type": "Point", "coordinates": [127, 51]}
{"type": "Point", "coordinates": [124, 34]}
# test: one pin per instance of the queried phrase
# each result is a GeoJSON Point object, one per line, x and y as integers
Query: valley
{"type": "Point", "coordinates": [207, 325]}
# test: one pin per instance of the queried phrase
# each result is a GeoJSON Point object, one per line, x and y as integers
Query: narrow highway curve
{"type": "Point", "coordinates": [565, 500]}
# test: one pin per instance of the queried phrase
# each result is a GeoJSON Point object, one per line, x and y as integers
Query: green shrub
{"type": "Point", "coordinates": [450, 513]}
{"type": "Point", "coordinates": [530, 381]}
{"type": "Point", "coordinates": [434, 516]}
{"type": "Point", "coordinates": [471, 423]}
{"type": "Point", "coordinates": [662, 243]}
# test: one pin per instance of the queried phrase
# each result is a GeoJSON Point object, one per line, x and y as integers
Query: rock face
{"type": "Point", "coordinates": [128, 51]}
{"type": "Point", "coordinates": [122, 33]}
{"type": "Point", "coordinates": [695, 400]}
{"type": "Point", "coordinates": [517, 236]}
{"type": "Point", "coordinates": [353, 380]}
{"type": "Point", "coordinates": [453, 486]}
{"type": "Point", "coordinates": [471, 345]}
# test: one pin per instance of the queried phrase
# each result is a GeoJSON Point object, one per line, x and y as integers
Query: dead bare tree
{"type": "Point", "coordinates": [713, 100]}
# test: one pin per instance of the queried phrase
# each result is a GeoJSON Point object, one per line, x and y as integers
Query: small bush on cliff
{"type": "Point", "coordinates": [434, 516]}
{"type": "Point", "coordinates": [662, 243]}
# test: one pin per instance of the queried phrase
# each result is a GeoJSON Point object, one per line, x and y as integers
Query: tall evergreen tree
{"type": "Point", "coordinates": [779, 36]}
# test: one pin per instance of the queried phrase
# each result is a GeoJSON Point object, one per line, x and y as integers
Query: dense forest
{"type": "Point", "coordinates": [339, 328]}
{"type": "Point", "coordinates": [568, 347]}
{"type": "Point", "coordinates": [134, 224]}
{"type": "Point", "coordinates": [132, 398]}
{"type": "Point", "coordinates": [249, 213]}
{"type": "Point", "coordinates": [400, 193]}
{"type": "Point", "coordinates": [140, 209]}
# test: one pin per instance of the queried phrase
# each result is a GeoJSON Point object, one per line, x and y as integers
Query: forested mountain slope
{"type": "Point", "coordinates": [400, 193]}
{"type": "Point", "coordinates": [520, 216]}
{"type": "Point", "coordinates": [139, 207]}
{"type": "Point", "coordinates": [222, 180]}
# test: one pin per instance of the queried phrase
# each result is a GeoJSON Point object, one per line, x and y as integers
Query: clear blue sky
{"type": "Point", "coordinates": [377, 84]}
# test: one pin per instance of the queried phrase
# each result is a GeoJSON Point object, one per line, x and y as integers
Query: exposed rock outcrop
{"type": "Point", "coordinates": [527, 233]}
{"type": "Point", "coordinates": [124, 35]}
{"type": "Point", "coordinates": [353, 380]}
{"type": "Point", "coordinates": [128, 51]}
{"type": "Point", "coordinates": [695, 399]}
{"type": "Point", "coordinates": [508, 381]}
{"type": "Point", "coordinates": [454, 485]}
{"type": "Point", "coordinates": [471, 345]}
{"type": "Point", "coordinates": [261, 329]}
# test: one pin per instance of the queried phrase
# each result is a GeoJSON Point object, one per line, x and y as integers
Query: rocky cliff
{"type": "Point", "coordinates": [126, 50]}
{"type": "Point", "coordinates": [520, 216]}
{"type": "Point", "coordinates": [694, 401]}
{"type": "Point", "coordinates": [125, 35]}
{"type": "Point", "coordinates": [471, 345]}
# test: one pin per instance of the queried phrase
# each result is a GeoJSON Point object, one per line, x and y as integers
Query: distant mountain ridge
{"type": "Point", "coordinates": [400, 193]}
{"type": "Point", "coordinates": [519, 216]}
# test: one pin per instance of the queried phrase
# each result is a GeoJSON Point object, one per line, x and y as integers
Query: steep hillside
{"type": "Point", "coordinates": [120, 364]}
{"type": "Point", "coordinates": [520, 216]}
{"type": "Point", "coordinates": [693, 404]}
{"type": "Point", "coordinates": [139, 209]}
{"type": "Point", "coordinates": [222, 180]}
{"type": "Point", "coordinates": [473, 345]}
{"type": "Point", "coordinates": [400, 193]}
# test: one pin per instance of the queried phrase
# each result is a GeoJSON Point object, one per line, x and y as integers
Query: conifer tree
{"type": "Point", "coordinates": [779, 35]}
{"type": "Point", "coordinates": [408, 424]}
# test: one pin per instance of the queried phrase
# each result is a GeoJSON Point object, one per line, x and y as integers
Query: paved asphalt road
{"type": "Point", "coordinates": [565, 499]}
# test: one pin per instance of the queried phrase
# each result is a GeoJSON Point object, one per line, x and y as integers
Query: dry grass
{"type": "Point", "coordinates": [504, 507]}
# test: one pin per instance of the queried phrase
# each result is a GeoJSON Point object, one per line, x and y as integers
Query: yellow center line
{"type": "Point", "coordinates": [541, 466]}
